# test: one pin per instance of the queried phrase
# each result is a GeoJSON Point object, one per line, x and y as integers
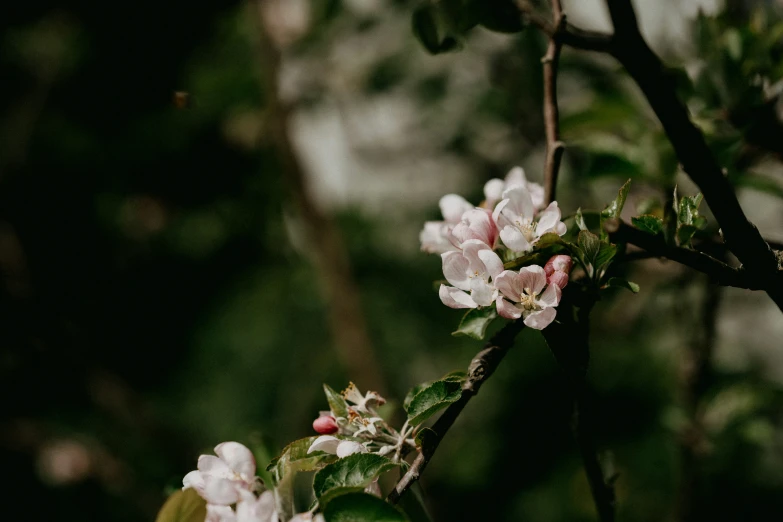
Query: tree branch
{"type": "Point", "coordinates": [481, 368]}
{"type": "Point", "coordinates": [719, 272]}
{"type": "Point", "coordinates": [554, 147]}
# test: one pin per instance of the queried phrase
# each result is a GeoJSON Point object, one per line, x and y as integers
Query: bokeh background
{"type": "Point", "coordinates": [174, 273]}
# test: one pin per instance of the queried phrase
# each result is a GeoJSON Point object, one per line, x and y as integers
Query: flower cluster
{"type": "Point", "coordinates": [360, 428]}
{"type": "Point", "coordinates": [233, 493]}
{"type": "Point", "coordinates": [510, 220]}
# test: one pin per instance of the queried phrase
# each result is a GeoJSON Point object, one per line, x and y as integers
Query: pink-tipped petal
{"type": "Point", "coordinates": [541, 319]}
{"type": "Point", "coordinates": [453, 206]}
{"type": "Point", "coordinates": [507, 309]}
{"type": "Point", "coordinates": [455, 269]}
{"type": "Point", "coordinates": [220, 491]}
{"type": "Point", "coordinates": [561, 228]}
{"type": "Point", "coordinates": [508, 283]}
{"type": "Point", "coordinates": [477, 224]}
{"type": "Point", "coordinates": [325, 425]}
{"type": "Point", "coordinates": [515, 240]}
{"type": "Point", "coordinates": [559, 279]}
{"type": "Point", "coordinates": [455, 298]}
{"type": "Point", "coordinates": [533, 278]}
{"type": "Point", "coordinates": [238, 457]}
{"type": "Point", "coordinates": [551, 296]}
{"type": "Point", "coordinates": [558, 263]}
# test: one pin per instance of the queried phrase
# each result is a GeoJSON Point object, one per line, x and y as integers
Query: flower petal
{"type": "Point", "coordinates": [453, 206]}
{"type": "Point", "coordinates": [238, 457]}
{"type": "Point", "coordinates": [548, 219]}
{"type": "Point", "coordinates": [533, 278]}
{"type": "Point", "coordinates": [541, 319]}
{"type": "Point", "coordinates": [493, 190]}
{"type": "Point", "coordinates": [482, 292]}
{"type": "Point", "coordinates": [478, 224]}
{"type": "Point", "coordinates": [220, 491]}
{"type": "Point", "coordinates": [507, 309]}
{"type": "Point", "coordinates": [509, 284]}
{"type": "Point", "coordinates": [492, 262]}
{"type": "Point", "coordinates": [515, 240]}
{"type": "Point", "coordinates": [520, 204]}
{"type": "Point", "coordinates": [435, 237]}
{"type": "Point", "coordinates": [194, 480]}
{"type": "Point", "coordinates": [211, 465]}
{"type": "Point", "coordinates": [260, 510]}
{"type": "Point", "coordinates": [349, 447]}
{"type": "Point", "coordinates": [499, 217]}
{"type": "Point", "coordinates": [455, 269]}
{"type": "Point", "coordinates": [557, 278]}
{"type": "Point", "coordinates": [551, 296]}
{"type": "Point", "coordinates": [455, 298]}
{"type": "Point", "coordinates": [325, 443]}
{"type": "Point", "coordinates": [220, 514]}
{"type": "Point", "coordinates": [516, 178]}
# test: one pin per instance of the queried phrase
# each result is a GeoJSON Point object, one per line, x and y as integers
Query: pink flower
{"type": "Point", "coordinates": [325, 425]}
{"type": "Point", "coordinates": [436, 236]}
{"type": "Point", "coordinates": [494, 188]}
{"type": "Point", "coordinates": [219, 480]}
{"type": "Point", "coordinates": [471, 270]}
{"type": "Point", "coordinates": [557, 269]}
{"type": "Point", "coordinates": [476, 223]}
{"type": "Point", "coordinates": [522, 294]}
{"type": "Point", "coordinates": [515, 215]}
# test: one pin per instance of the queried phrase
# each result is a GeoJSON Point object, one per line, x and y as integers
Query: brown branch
{"type": "Point", "coordinates": [481, 368]}
{"type": "Point", "coordinates": [718, 271]}
{"type": "Point", "coordinates": [554, 147]}
{"type": "Point", "coordinates": [343, 300]}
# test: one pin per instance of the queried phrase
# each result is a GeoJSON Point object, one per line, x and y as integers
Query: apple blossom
{"type": "Point", "coordinates": [436, 236]}
{"type": "Point", "coordinates": [470, 270]}
{"type": "Point", "coordinates": [557, 269]}
{"type": "Point", "coordinates": [335, 446]}
{"type": "Point", "coordinates": [520, 228]}
{"type": "Point", "coordinates": [217, 513]}
{"type": "Point", "coordinates": [476, 223]}
{"type": "Point", "coordinates": [494, 188]}
{"type": "Point", "coordinates": [325, 424]}
{"type": "Point", "coordinates": [522, 294]}
{"type": "Point", "coordinates": [219, 480]}
{"type": "Point", "coordinates": [363, 403]}
{"type": "Point", "coordinates": [252, 509]}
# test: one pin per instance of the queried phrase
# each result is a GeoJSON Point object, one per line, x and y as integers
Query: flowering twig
{"type": "Point", "coordinates": [719, 272]}
{"type": "Point", "coordinates": [481, 368]}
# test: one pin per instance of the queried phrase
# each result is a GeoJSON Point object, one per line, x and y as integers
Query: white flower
{"type": "Point", "coordinates": [220, 479]}
{"type": "Point", "coordinates": [335, 446]}
{"type": "Point", "coordinates": [220, 514]}
{"type": "Point", "coordinates": [436, 236]}
{"type": "Point", "coordinates": [515, 216]}
{"type": "Point", "coordinates": [308, 517]}
{"type": "Point", "coordinates": [261, 509]}
{"type": "Point", "coordinates": [494, 188]}
{"type": "Point", "coordinates": [470, 270]}
{"type": "Point", "coordinates": [478, 224]}
{"type": "Point", "coordinates": [362, 403]}
{"type": "Point", "coordinates": [521, 296]}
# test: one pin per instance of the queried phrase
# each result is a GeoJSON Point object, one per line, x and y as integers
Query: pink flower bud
{"type": "Point", "coordinates": [325, 425]}
{"type": "Point", "coordinates": [558, 263]}
{"type": "Point", "coordinates": [558, 278]}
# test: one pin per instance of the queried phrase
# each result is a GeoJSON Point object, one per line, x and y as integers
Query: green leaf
{"type": "Point", "coordinates": [688, 219]}
{"type": "Point", "coordinates": [294, 457]}
{"type": "Point", "coordinates": [353, 471]}
{"type": "Point", "coordinates": [618, 282]}
{"type": "Point", "coordinates": [580, 220]}
{"type": "Point", "coordinates": [650, 224]}
{"type": "Point", "coordinates": [474, 323]}
{"type": "Point", "coordinates": [547, 240]}
{"type": "Point", "coordinates": [336, 402]}
{"type": "Point", "coordinates": [606, 253]}
{"type": "Point", "coordinates": [685, 233]}
{"type": "Point", "coordinates": [615, 208]}
{"type": "Point", "coordinates": [455, 376]}
{"type": "Point", "coordinates": [183, 506]}
{"type": "Point", "coordinates": [361, 507]}
{"type": "Point", "coordinates": [589, 245]}
{"type": "Point", "coordinates": [431, 399]}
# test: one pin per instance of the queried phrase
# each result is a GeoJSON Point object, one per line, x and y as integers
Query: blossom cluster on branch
{"type": "Point", "coordinates": [473, 241]}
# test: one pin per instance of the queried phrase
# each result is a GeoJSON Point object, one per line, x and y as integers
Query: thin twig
{"type": "Point", "coordinates": [554, 147]}
{"type": "Point", "coordinates": [719, 272]}
{"type": "Point", "coordinates": [331, 260]}
{"type": "Point", "coordinates": [481, 368]}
